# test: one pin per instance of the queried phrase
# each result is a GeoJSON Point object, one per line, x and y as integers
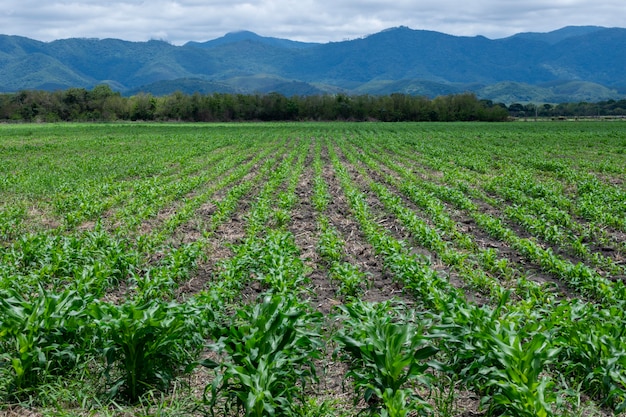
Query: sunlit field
{"type": "Point", "coordinates": [313, 269]}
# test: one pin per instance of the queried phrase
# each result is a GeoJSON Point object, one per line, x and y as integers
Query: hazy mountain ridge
{"type": "Point", "coordinates": [558, 35]}
{"type": "Point", "coordinates": [570, 64]}
{"type": "Point", "coordinates": [245, 35]}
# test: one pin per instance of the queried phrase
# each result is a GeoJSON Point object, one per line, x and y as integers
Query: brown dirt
{"type": "Point", "coordinates": [37, 218]}
{"type": "Point", "coordinates": [614, 249]}
{"type": "Point", "coordinates": [304, 228]}
{"type": "Point", "coordinates": [118, 294]}
{"type": "Point", "coordinates": [19, 411]}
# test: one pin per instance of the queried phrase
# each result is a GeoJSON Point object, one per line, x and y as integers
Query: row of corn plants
{"type": "Point", "coordinates": [154, 195]}
{"type": "Point", "coordinates": [92, 261]}
{"type": "Point", "coordinates": [140, 346]}
{"type": "Point", "coordinates": [351, 281]}
{"type": "Point", "coordinates": [162, 278]}
{"type": "Point", "coordinates": [461, 253]}
{"type": "Point", "coordinates": [64, 326]}
{"type": "Point", "coordinates": [58, 163]}
{"type": "Point", "coordinates": [544, 185]}
{"type": "Point", "coordinates": [467, 332]}
{"type": "Point", "coordinates": [383, 344]}
{"type": "Point", "coordinates": [267, 347]}
{"type": "Point", "coordinates": [547, 335]}
{"type": "Point", "coordinates": [138, 198]}
{"type": "Point", "coordinates": [478, 258]}
{"type": "Point", "coordinates": [141, 357]}
{"type": "Point", "coordinates": [581, 277]}
{"type": "Point", "coordinates": [610, 388]}
{"type": "Point", "coordinates": [545, 213]}
{"type": "Point", "coordinates": [610, 383]}
{"type": "Point", "coordinates": [425, 198]}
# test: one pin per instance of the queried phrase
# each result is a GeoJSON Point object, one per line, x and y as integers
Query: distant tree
{"type": "Point", "coordinates": [517, 110]}
{"type": "Point", "coordinates": [30, 105]}
{"type": "Point", "coordinates": [98, 102]}
{"type": "Point", "coordinates": [176, 106]}
{"type": "Point", "coordinates": [142, 107]}
{"type": "Point", "coordinates": [546, 110]}
{"type": "Point", "coordinates": [343, 106]}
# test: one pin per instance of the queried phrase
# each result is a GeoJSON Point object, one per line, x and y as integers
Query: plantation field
{"type": "Point", "coordinates": [313, 269]}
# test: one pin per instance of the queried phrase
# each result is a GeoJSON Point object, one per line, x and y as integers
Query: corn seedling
{"type": "Point", "coordinates": [146, 345]}
{"type": "Point", "coordinates": [268, 351]}
{"type": "Point", "coordinates": [386, 350]}
{"type": "Point", "coordinates": [40, 335]}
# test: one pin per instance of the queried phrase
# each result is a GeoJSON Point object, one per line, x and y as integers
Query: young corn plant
{"type": "Point", "coordinates": [40, 335]}
{"type": "Point", "coordinates": [351, 279]}
{"type": "Point", "coordinates": [519, 388]}
{"type": "Point", "coordinates": [593, 350]}
{"type": "Point", "coordinates": [89, 262]}
{"type": "Point", "coordinates": [386, 351]}
{"type": "Point", "coordinates": [396, 403]}
{"type": "Point", "coordinates": [160, 280]}
{"type": "Point", "coordinates": [502, 353]}
{"type": "Point", "coordinates": [146, 345]}
{"type": "Point", "coordinates": [274, 260]}
{"type": "Point", "coordinates": [268, 351]}
{"type": "Point", "coordinates": [330, 245]}
{"type": "Point", "coordinates": [11, 219]}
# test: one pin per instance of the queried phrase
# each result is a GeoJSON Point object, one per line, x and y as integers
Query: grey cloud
{"type": "Point", "coordinates": [306, 20]}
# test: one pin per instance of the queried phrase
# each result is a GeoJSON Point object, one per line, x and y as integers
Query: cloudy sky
{"type": "Point", "coordinates": [304, 20]}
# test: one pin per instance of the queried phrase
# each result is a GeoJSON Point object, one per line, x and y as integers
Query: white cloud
{"type": "Point", "coordinates": [306, 20]}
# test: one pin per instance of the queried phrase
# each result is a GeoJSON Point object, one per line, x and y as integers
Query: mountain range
{"type": "Point", "coordinates": [575, 63]}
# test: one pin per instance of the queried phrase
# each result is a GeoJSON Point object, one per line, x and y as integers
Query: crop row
{"type": "Point", "coordinates": [516, 344]}
{"type": "Point", "coordinates": [580, 276]}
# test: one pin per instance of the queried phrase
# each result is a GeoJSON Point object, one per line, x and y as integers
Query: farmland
{"type": "Point", "coordinates": [313, 269]}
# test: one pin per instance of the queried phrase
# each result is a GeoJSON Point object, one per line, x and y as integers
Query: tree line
{"type": "Point", "coordinates": [103, 104]}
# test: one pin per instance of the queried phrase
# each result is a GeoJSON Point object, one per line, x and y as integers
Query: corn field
{"type": "Point", "coordinates": [313, 269]}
